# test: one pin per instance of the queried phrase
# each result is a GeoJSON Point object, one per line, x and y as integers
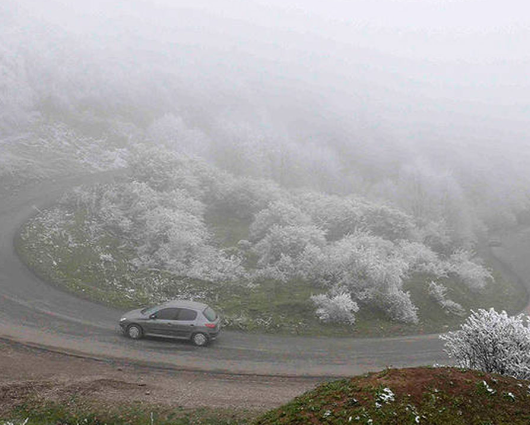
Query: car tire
{"type": "Point", "coordinates": [199, 339]}
{"type": "Point", "coordinates": [135, 332]}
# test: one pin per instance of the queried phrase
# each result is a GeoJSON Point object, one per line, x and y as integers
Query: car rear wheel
{"type": "Point", "coordinates": [135, 332]}
{"type": "Point", "coordinates": [199, 339]}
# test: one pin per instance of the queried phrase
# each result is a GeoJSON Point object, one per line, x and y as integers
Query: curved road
{"type": "Point", "coordinates": [33, 312]}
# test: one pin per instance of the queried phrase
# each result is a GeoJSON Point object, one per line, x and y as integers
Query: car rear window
{"type": "Point", "coordinates": [186, 314]}
{"type": "Point", "coordinates": [210, 314]}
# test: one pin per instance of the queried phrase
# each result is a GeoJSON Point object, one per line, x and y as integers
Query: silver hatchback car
{"type": "Point", "coordinates": [174, 319]}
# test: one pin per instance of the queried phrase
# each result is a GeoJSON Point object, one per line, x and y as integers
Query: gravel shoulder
{"type": "Point", "coordinates": [27, 372]}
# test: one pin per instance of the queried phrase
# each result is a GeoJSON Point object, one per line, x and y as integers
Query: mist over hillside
{"type": "Point", "coordinates": [422, 105]}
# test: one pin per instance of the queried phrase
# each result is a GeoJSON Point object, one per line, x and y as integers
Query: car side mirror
{"type": "Point", "coordinates": [153, 316]}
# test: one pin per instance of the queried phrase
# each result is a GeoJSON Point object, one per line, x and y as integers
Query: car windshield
{"type": "Point", "coordinates": [210, 314]}
{"type": "Point", "coordinates": [148, 310]}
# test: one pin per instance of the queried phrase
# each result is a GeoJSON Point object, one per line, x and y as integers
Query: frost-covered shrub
{"type": "Point", "coordinates": [337, 307]}
{"type": "Point", "coordinates": [474, 275]}
{"type": "Point", "coordinates": [492, 342]}
{"type": "Point", "coordinates": [438, 293]}
{"type": "Point", "coordinates": [436, 235]}
{"type": "Point", "coordinates": [244, 197]}
{"type": "Point", "coordinates": [421, 259]}
{"type": "Point", "coordinates": [166, 227]}
{"type": "Point", "coordinates": [341, 216]}
{"type": "Point", "coordinates": [368, 268]}
{"type": "Point", "coordinates": [338, 216]}
{"type": "Point", "coordinates": [287, 241]}
{"type": "Point", "coordinates": [165, 170]}
{"type": "Point", "coordinates": [387, 222]}
{"type": "Point", "coordinates": [281, 270]}
{"type": "Point", "coordinates": [279, 213]}
{"type": "Point", "coordinates": [397, 304]}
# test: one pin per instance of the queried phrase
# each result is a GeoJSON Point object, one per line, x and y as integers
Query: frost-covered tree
{"type": "Point", "coordinates": [279, 213]}
{"type": "Point", "coordinates": [387, 222]}
{"type": "Point", "coordinates": [338, 216]}
{"type": "Point", "coordinates": [341, 216]}
{"type": "Point", "coordinates": [336, 307]}
{"type": "Point", "coordinates": [422, 259]}
{"type": "Point", "coordinates": [172, 132]}
{"type": "Point", "coordinates": [289, 241]}
{"type": "Point", "coordinates": [438, 293]}
{"type": "Point", "coordinates": [244, 197]}
{"type": "Point", "coordinates": [368, 268]}
{"type": "Point", "coordinates": [474, 275]}
{"type": "Point", "coordinates": [492, 342]}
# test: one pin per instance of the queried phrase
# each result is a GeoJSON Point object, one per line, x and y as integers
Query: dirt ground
{"type": "Point", "coordinates": [27, 372]}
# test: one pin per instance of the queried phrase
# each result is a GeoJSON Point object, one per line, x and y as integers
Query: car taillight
{"type": "Point", "coordinates": [210, 325]}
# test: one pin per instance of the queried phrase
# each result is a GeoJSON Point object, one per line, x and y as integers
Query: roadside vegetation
{"type": "Point", "coordinates": [269, 259]}
{"type": "Point", "coordinates": [79, 410]}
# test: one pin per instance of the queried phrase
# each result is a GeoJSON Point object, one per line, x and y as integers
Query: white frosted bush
{"type": "Point", "coordinates": [422, 259]}
{"type": "Point", "coordinates": [474, 275]}
{"type": "Point", "coordinates": [279, 213]}
{"type": "Point", "coordinates": [438, 292]}
{"type": "Point", "coordinates": [369, 268]}
{"type": "Point", "coordinates": [492, 342]}
{"type": "Point", "coordinates": [398, 306]}
{"type": "Point", "coordinates": [335, 308]}
{"type": "Point", "coordinates": [287, 240]}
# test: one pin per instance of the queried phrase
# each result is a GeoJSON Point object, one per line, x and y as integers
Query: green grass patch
{"type": "Point", "coordinates": [78, 411]}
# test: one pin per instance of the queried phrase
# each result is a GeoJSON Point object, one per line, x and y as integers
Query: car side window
{"type": "Point", "coordinates": [167, 314]}
{"type": "Point", "coordinates": [187, 314]}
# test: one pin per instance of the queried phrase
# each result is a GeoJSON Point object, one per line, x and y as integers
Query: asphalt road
{"type": "Point", "coordinates": [35, 313]}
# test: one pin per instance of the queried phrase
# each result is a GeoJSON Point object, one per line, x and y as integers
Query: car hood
{"type": "Point", "coordinates": [133, 314]}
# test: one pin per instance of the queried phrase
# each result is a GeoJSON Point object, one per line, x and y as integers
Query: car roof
{"type": "Point", "coordinates": [185, 303]}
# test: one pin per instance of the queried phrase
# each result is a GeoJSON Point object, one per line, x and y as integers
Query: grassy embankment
{"type": "Point", "coordinates": [72, 259]}
{"type": "Point", "coordinates": [434, 396]}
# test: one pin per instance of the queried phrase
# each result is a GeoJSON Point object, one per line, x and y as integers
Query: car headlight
{"type": "Point", "coordinates": [123, 319]}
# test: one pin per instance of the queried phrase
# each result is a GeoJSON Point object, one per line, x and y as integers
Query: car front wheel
{"type": "Point", "coordinates": [135, 332]}
{"type": "Point", "coordinates": [199, 339]}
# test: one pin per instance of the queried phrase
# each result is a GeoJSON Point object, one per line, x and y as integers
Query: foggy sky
{"type": "Point", "coordinates": [417, 71]}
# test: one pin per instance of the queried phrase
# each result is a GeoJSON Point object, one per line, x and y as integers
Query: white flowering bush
{"type": "Point", "coordinates": [492, 342]}
{"type": "Point", "coordinates": [338, 307]}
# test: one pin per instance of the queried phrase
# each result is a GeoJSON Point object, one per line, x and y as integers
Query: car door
{"type": "Point", "coordinates": [186, 322]}
{"type": "Point", "coordinates": [163, 322]}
